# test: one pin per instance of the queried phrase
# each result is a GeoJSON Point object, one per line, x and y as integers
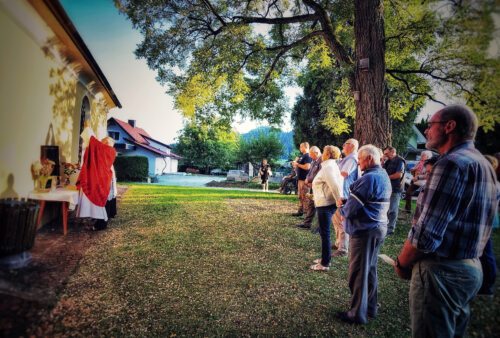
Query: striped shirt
{"type": "Point", "coordinates": [455, 215]}
{"type": "Point", "coordinates": [368, 203]}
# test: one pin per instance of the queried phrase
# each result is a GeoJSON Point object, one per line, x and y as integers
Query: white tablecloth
{"type": "Point", "coordinates": [59, 195]}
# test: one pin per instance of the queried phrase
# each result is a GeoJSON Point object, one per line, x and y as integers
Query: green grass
{"type": "Point", "coordinates": [213, 262]}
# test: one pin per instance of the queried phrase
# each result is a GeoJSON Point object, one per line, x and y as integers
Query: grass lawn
{"type": "Point", "coordinates": [205, 262]}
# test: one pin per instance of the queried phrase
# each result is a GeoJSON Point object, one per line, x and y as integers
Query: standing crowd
{"type": "Point", "coordinates": [447, 256]}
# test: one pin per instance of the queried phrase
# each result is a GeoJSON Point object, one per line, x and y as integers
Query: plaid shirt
{"type": "Point", "coordinates": [455, 215]}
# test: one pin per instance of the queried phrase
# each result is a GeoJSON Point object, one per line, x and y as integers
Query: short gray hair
{"type": "Point", "coordinates": [466, 120]}
{"type": "Point", "coordinates": [370, 150]}
{"type": "Point", "coordinates": [354, 143]}
{"type": "Point", "coordinates": [315, 150]}
{"type": "Point", "coordinates": [427, 153]}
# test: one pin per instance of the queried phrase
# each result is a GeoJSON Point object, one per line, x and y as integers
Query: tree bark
{"type": "Point", "coordinates": [372, 124]}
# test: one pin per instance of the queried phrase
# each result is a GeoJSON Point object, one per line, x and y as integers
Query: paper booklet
{"type": "Point", "coordinates": [387, 259]}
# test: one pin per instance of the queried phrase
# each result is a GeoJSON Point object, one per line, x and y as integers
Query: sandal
{"type": "Point", "coordinates": [319, 267]}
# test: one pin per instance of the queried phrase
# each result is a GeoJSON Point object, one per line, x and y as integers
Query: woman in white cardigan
{"type": "Point", "coordinates": [327, 189]}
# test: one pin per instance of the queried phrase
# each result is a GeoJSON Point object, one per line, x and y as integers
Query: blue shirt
{"type": "Point", "coordinates": [368, 203]}
{"type": "Point", "coordinates": [457, 206]}
{"type": "Point", "coordinates": [349, 164]}
{"type": "Point", "coordinates": [392, 166]}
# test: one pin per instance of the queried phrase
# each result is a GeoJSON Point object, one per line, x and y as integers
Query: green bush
{"type": "Point", "coordinates": [131, 168]}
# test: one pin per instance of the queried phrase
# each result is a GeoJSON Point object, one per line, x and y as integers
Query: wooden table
{"type": "Point", "coordinates": [67, 198]}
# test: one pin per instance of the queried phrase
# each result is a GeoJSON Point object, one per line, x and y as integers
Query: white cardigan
{"type": "Point", "coordinates": [327, 185]}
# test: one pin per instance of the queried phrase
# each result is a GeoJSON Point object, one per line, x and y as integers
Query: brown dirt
{"type": "Point", "coordinates": [29, 294]}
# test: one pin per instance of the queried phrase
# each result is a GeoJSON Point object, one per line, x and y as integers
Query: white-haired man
{"type": "Point", "coordinates": [450, 228]}
{"type": "Point", "coordinates": [365, 213]}
{"type": "Point", "coordinates": [349, 170]}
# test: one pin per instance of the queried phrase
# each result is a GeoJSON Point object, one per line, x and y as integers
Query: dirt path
{"type": "Point", "coordinates": [28, 294]}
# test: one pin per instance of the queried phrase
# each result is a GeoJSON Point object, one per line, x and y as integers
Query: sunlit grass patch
{"type": "Point", "coordinates": [211, 262]}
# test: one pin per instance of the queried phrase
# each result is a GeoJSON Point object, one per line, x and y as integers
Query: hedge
{"type": "Point", "coordinates": [131, 168]}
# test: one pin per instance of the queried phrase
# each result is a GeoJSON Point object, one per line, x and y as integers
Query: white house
{"type": "Point", "coordinates": [134, 141]}
{"type": "Point", "coordinates": [50, 84]}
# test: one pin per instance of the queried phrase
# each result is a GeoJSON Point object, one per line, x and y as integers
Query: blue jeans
{"type": "Point", "coordinates": [325, 221]}
{"type": "Point", "coordinates": [489, 265]}
{"type": "Point", "coordinates": [392, 214]}
{"type": "Point", "coordinates": [440, 293]}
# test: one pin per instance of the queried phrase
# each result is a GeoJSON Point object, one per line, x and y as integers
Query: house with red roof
{"type": "Point", "coordinates": [131, 140]}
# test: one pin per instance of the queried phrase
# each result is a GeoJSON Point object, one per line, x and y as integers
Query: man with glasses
{"type": "Point", "coordinates": [441, 253]}
{"type": "Point", "coordinates": [349, 170]}
{"type": "Point", "coordinates": [395, 167]}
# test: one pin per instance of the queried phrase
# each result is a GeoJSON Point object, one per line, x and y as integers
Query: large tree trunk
{"type": "Point", "coordinates": [372, 124]}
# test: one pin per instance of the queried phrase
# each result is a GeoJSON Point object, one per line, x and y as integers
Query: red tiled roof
{"type": "Point", "coordinates": [133, 132]}
{"type": "Point", "coordinates": [142, 132]}
{"type": "Point", "coordinates": [148, 147]}
{"type": "Point", "coordinates": [139, 137]}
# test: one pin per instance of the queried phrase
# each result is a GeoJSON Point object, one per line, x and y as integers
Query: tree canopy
{"type": "Point", "coordinates": [231, 58]}
{"type": "Point", "coordinates": [263, 146]}
{"type": "Point", "coordinates": [207, 145]}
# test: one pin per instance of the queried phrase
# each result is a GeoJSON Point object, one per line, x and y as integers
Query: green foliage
{"type": "Point", "coordinates": [207, 145]}
{"type": "Point", "coordinates": [131, 168]}
{"type": "Point", "coordinates": [228, 58]}
{"type": "Point", "coordinates": [286, 139]}
{"type": "Point", "coordinates": [263, 145]}
{"type": "Point", "coordinates": [311, 119]}
{"type": "Point", "coordinates": [447, 42]}
{"type": "Point", "coordinates": [402, 131]}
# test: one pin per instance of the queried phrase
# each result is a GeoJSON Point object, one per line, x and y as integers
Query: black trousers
{"type": "Point", "coordinates": [363, 280]}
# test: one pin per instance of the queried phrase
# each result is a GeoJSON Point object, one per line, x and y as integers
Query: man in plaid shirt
{"type": "Point", "coordinates": [441, 254]}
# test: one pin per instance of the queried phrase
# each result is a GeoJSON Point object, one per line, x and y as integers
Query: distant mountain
{"type": "Point", "coordinates": [286, 139]}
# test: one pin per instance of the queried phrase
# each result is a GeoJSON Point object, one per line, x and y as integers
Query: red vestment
{"type": "Point", "coordinates": [95, 175]}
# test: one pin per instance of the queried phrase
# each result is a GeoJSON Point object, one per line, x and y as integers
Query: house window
{"type": "Point", "coordinates": [114, 135]}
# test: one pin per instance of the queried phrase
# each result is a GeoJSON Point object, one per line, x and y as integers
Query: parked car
{"type": "Point", "coordinates": [237, 175]}
{"type": "Point", "coordinates": [217, 171]}
{"type": "Point", "coordinates": [192, 171]}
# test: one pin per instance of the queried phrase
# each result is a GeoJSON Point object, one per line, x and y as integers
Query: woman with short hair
{"type": "Point", "coordinates": [327, 188]}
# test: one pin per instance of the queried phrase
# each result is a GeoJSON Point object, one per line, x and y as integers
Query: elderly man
{"type": "Point", "coordinates": [395, 167]}
{"type": "Point", "coordinates": [451, 226]}
{"type": "Point", "coordinates": [365, 213]}
{"type": "Point", "coordinates": [349, 170]}
{"type": "Point", "coordinates": [418, 179]}
{"type": "Point", "coordinates": [302, 165]}
{"type": "Point", "coordinates": [310, 209]}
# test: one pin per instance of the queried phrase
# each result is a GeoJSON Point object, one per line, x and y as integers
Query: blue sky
{"type": "Point", "coordinates": [111, 40]}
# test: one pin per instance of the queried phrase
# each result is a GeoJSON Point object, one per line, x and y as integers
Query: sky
{"type": "Point", "coordinates": [112, 40]}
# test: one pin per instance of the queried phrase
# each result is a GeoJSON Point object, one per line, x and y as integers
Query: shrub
{"type": "Point", "coordinates": [131, 168]}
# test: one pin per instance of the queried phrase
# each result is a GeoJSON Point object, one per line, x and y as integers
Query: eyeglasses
{"type": "Point", "coordinates": [430, 123]}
